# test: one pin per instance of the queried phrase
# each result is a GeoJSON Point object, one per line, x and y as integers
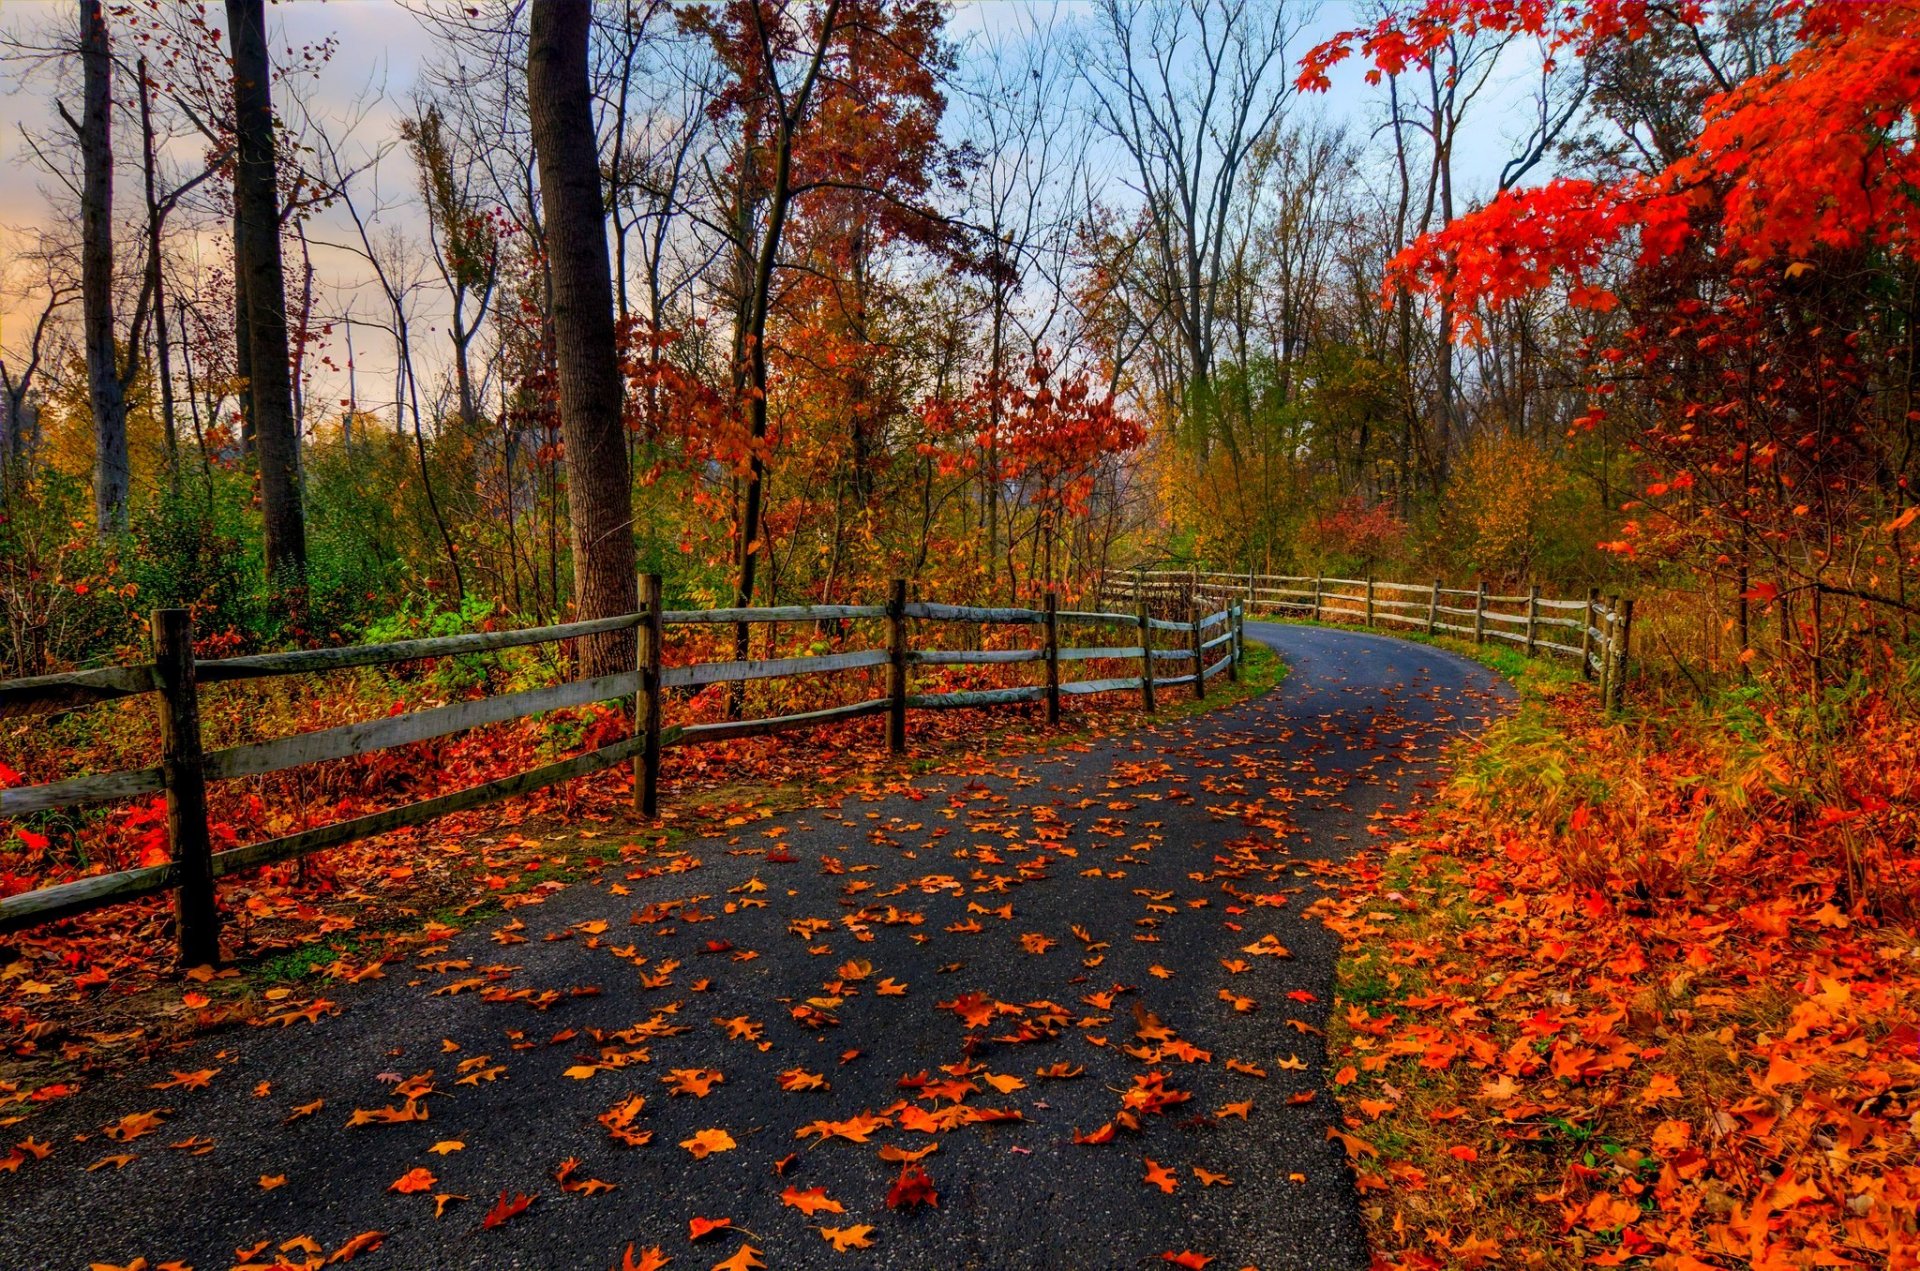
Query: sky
{"type": "Point", "coordinates": [382, 48]}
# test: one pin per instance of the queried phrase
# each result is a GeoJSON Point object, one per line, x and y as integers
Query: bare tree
{"type": "Point", "coordinates": [599, 481]}
{"type": "Point", "coordinates": [1187, 91]}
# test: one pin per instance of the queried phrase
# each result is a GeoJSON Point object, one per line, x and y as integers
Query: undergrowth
{"type": "Point", "coordinates": [1642, 990]}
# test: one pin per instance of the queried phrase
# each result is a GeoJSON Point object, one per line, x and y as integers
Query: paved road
{"type": "Point", "coordinates": [1109, 884]}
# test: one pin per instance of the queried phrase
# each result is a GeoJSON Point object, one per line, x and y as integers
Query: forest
{"type": "Point", "coordinates": [345, 325]}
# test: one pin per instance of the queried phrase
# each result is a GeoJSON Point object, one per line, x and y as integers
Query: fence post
{"type": "Point", "coordinates": [1233, 642]}
{"type": "Point", "coordinates": [646, 765]}
{"type": "Point", "coordinates": [1586, 636]}
{"type": "Point", "coordinates": [897, 663]}
{"type": "Point", "coordinates": [1369, 600]}
{"type": "Point", "coordinates": [1053, 658]}
{"type": "Point", "coordinates": [196, 915]}
{"type": "Point", "coordinates": [1480, 613]}
{"type": "Point", "coordinates": [1199, 659]}
{"type": "Point", "coordinates": [1609, 637]}
{"type": "Point", "coordinates": [1146, 656]}
{"type": "Point", "coordinates": [1316, 599]}
{"type": "Point", "coordinates": [1433, 610]}
{"type": "Point", "coordinates": [1624, 637]}
{"type": "Point", "coordinates": [1533, 617]}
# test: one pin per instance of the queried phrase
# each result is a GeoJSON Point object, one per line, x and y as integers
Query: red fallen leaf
{"type": "Point", "coordinates": [1463, 1152]}
{"type": "Point", "coordinates": [505, 1209]}
{"type": "Point", "coordinates": [913, 1187]}
{"type": "Point", "coordinates": [1187, 1258]}
{"type": "Point", "coordinates": [701, 1228]}
{"type": "Point", "coordinates": [1102, 1135]}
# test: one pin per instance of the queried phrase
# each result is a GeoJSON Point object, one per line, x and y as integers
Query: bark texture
{"type": "Point", "coordinates": [599, 483]}
{"type": "Point", "coordinates": [112, 474]}
{"type": "Point", "coordinates": [257, 250]}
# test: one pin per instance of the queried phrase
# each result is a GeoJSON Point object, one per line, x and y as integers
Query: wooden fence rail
{"type": "Point", "coordinates": [185, 767]}
{"type": "Point", "coordinates": [1597, 634]}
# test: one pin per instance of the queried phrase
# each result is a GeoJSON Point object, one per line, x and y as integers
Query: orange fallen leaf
{"type": "Point", "coordinates": [845, 1238]}
{"type": "Point", "coordinates": [1160, 1176]}
{"type": "Point", "coordinates": [746, 1258]}
{"type": "Point", "coordinates": [812, 1201]}
{"type": "Point", "coordinates": [647, 1260]}
{"type": "Point", "coordinates": [417, 1179]}
{"type": "Point", "coordinates": [707, 1142]}
{"type": "Point", "coordinates": [701, 1228]}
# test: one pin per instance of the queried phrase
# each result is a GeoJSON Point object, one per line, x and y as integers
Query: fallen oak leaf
{"type": "Point", "coordinates": [365, 1242]}
{"type": "Point", "coordinates": [913, 1187]}
{"type": "Point", "coordinates": [845, 1238]}
{"type": "Point", "coordinates": [746, 1258]}
{"type": "Point", "coordinates": [1188, 1259]}
{"type": "Point", "coordinates": [417, 1179]}
{"type": "Point", "coordinates": [441, 1201]}
{"type": "Point", "coordinates": [707, 1142]}
{"type": "Point", "coordinates": [649, 1260]}
{"type": "Point", "coordinates": [701, 1228]}
{"type": "Point", "coordinates": [505, 1209]}
{"type": "Point", "coordinates": [1160, 1176]}
{"type": "Point", "coordinates": [900, 1155]}
{"type": "Point", "coordinates": [812, 1201]}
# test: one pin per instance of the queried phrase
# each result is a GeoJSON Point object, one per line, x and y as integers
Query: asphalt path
{"type": "Point", "coordinates": [1126, 911]}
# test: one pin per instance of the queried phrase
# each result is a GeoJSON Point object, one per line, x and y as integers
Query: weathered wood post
{"type": "Point", "coordinates": [1316, 599]}
{"type": "Point", "coordinates": [195, 913]}
{"type": "Point", "coordinates": [1369, 600]}
{"type": "Point", "coordinates": [1586, 635]}
{"type": "Point", "coordinates": [1199, 658]}
{"type": "Point", "coordinates": [897, 667]}
{"type": "Point", "coordinates": [1433, 610]}
{"type": "Point", "coordinates": [1250, 578]}
{"type": "Point", "coordinates": [1146, 656]}
{"type": "Point", "coordinates": [1053, 658]}
{"type": "Point", "coordinates": [1624, 636]}
{"type": "Point", "coordinates": [1533, 617]}
{"type": "Point", "coordinates": [1609, 638]}
{"type": "Point", "coordinates": [1233, 642]}
{"type": "Point", "coordinates": [1480, 613]}
{"type": "Point", "coordinates": [652, 638]}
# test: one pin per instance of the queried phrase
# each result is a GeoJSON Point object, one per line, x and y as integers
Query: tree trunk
{"type": "Point", "coordinates": [256, 203]}
{"type": "Point", "coordinates": [599, 483]}
{"type": "Point", "coordinates": [111, 471]}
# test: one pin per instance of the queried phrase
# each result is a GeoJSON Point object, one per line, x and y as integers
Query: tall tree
{"type": "Point", "coordinates": [257, 264]}
{"type": "Point", "coordinates": [599, 482]}
{"type": "Point", "coordinates": [106, 392]}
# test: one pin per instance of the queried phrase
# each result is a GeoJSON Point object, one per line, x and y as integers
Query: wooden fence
{"type": "Point", "coordinates": [185, 766]}
{"type": "Point", "coordinates": [1597, 633]}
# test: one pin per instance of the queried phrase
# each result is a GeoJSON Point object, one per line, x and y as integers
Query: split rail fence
{"type": "Point", "coordinates": [185, 766]}
{"type": "Point", "coordinates": [1595, 632]}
